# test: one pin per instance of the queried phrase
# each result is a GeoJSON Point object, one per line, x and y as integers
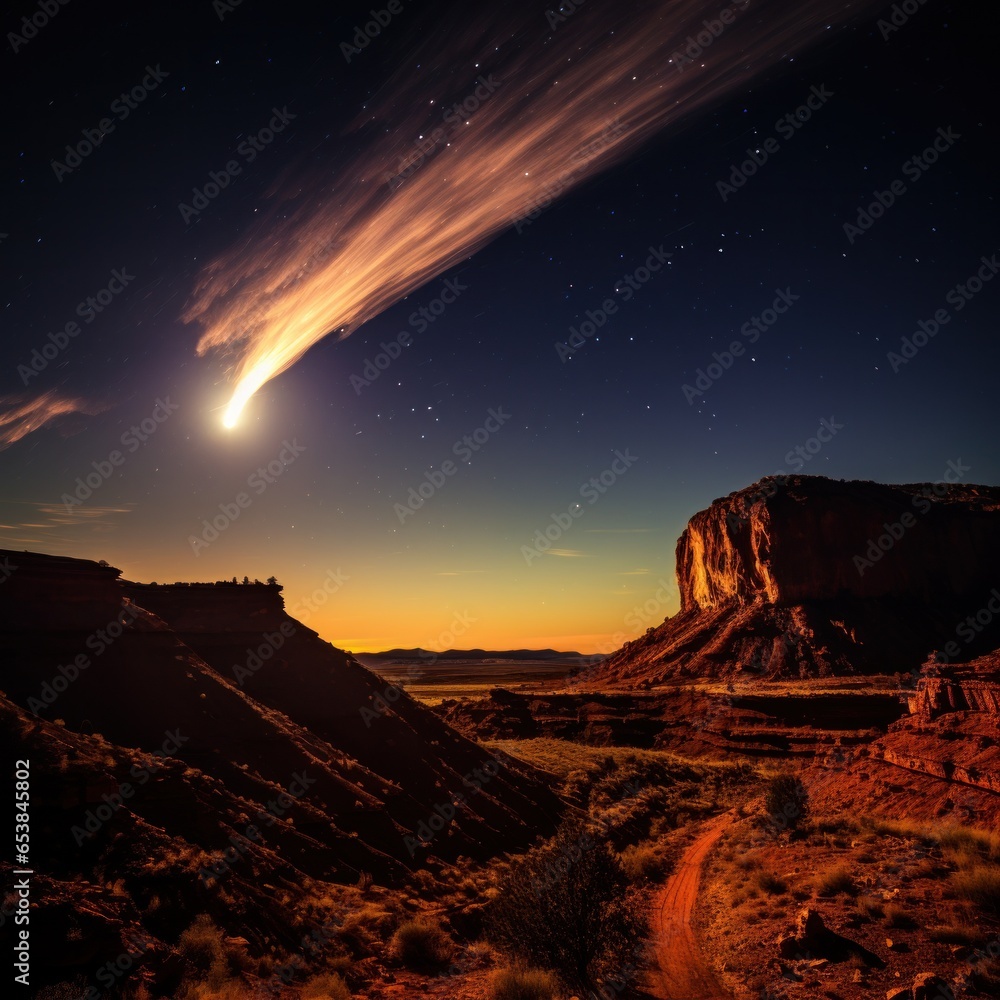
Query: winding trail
{"type": "Point", "coordinates": [681, 971]}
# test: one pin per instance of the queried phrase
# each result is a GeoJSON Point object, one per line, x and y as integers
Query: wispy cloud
{"type": "Point", "coordinates": [460, 572]}
{"type": "Point", "coordinates": [617, 531]}
{"type": "Point", "coordinates": [20, 415]}
{"type": "Point", "coordinates": [45, 522]}
{"type": "Point", "coordinates": [634, 572]}
{"type": "Point", "coordinates": [566, 553]}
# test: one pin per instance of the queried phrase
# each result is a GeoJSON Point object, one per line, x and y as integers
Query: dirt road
{"type": "Point", "coordinates": [682, 972]}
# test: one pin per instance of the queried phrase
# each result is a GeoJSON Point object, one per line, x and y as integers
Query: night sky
{"type": "Point", "coordinates": [516, 430]}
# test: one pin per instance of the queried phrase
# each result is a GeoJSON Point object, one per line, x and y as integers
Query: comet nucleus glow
{"type": "Point", "coordinates": [539, 112]}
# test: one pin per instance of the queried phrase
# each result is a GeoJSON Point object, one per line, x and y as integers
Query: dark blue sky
{"type": "Point", "coordinates": [334, 504]}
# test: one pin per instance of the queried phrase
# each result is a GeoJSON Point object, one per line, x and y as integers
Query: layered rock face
{"type": "Point", "coordinates": [807, 576]}
{"type": "Point", "coordinates": [815, 539]}
{"type": "Point", "coordinates": [56, 593]}
{"type": "Point", "coordinates": [257, 698]}
{"type": "Point", "coordinates": [971, 687]}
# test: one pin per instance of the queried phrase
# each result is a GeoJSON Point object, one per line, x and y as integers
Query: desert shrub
{"type": "Point", "coordinates": [869, 908]}
{"type": "Point", "coordinates": [521, 984]}
{"type": "Point", "coordinates": [957, 933]}
{"type": "Point", "coordinates": [220, 960]}
{"type": "Point", "coordinates": [364, 928]}
{"type": "Point", "coordinates": [420, 944]}
{"type": "Point", "coordinates": [326, 986]}
{"type": "Point", "coordinates": [986, 976]}
{"type": "Point", "coordinates": [786, 802]}
{"type": "Point", "coordinates": [565, 906]}
{"type": "Point", "coordinates": [643, 861]}
{"type": "Point", "coordinates": [980, 885]}
{"type": "Point", "coordinates": [837, 880]}
{"type": "Point", "coordinates": [898, 916]}
{"type": "Point", "coordinates": [770, 883]}
{"type": "Point", "coordinates": [203, 946]}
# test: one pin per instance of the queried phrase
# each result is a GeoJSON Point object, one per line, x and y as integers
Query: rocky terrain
{"type": "Point", "coordinates": [207, 751]}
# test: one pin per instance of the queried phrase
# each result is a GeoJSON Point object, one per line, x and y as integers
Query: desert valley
{"type": "Point", "coordinates": [790, 788]}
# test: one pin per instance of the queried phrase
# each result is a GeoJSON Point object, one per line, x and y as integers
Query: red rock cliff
{"type": "Point", "coordinates": [807, 576]}
{"type": "Point", "coordinates": [813, 539]}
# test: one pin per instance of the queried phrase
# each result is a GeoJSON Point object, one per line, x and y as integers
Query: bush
{"type": "Point", "coordinates": [521, 984]}
{"type": "Point", "coordinates": [565, 906]}
{"type": "Point", "coordinates": [836, 881]}
{"type": "Point", "coordinates": [899, 917]}
{"type": "Point", "coordinates": [420, 944]}
{"type": "Point", "coordinates": [786, 802]}
{"type": "Point", "coordinates": [979, 885]}
{"type": "Point", "coordinates": [771, 884]}
{"type": "Point", "coordinates": [870, 908]}
{"type": "Point", "coordinates": [327, 986]}
{"type": "Point", "coordinates": [642, 862]}
{"type": "Point", "coordinates": [201, 944]}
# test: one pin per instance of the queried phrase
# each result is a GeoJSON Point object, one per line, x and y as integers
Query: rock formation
{"type": "Point", "coordinates": [223, 761]}
{"type": "Point", "coordinates": [807, 576]}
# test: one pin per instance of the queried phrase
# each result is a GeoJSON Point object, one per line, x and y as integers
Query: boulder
{"type": "Point", "coordinates": [927, 986]}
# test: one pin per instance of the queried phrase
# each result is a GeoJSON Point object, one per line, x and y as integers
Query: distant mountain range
{"type": "Point", "coordinates": [467, 655]}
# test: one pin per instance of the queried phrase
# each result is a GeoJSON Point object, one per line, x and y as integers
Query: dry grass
{"type": "Point", "coordinates": [770, 883]}
{"type": "Point", "coordinates": [522, 984]}
{"type": "Point", "coordinates": [326, 986]}
{"type": "Point", "coordinates": [870, 908]}
{"type": "Point", "coordinates": [836, 881]}
{"type": "Point", "coordinates": [420, 944]}
{"type": "Point", "coordinates": [979, 884]}
{"type": "Point", "coordinates": [958, 933]}
{"type": "Point", "coordinates": [562, 757]}
{"type": "Point", "coordinates": [644, 862]}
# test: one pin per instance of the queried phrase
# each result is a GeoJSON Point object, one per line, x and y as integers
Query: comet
{"type": "Point", "coordinates": [443, 162]}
